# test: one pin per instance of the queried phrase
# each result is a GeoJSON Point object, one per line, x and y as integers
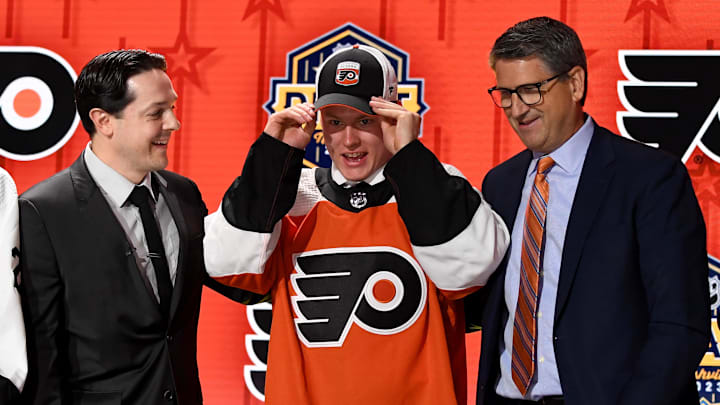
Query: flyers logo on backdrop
{"type": "Point", "coordinates": [37, 107]}
{"type": "Point", "coordinates": [382, 290]}
{"type": "Point", "coordinates": [298, 86]}
{"type": "Point", "coordinates": [672, 100]}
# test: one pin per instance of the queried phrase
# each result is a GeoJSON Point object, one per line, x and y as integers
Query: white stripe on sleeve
{"type": "Point", "coordinates": [468, 259]}
{"type": "Point", "coordinates": [231, 251]}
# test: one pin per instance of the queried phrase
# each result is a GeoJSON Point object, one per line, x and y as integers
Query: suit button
{"type": "Point", "coordinates": [168, 395]}
{"type": "Point", "coordinates": [169, 338]}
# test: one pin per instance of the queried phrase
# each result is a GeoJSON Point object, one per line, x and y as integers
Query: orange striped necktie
{"type": "Point", "coordinates": [525, 324]}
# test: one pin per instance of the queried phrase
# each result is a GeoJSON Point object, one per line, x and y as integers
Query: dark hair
{"type": "Point", "coordinates": [557, 45]}
{"type": "Point", "coordinates": [103, 82]}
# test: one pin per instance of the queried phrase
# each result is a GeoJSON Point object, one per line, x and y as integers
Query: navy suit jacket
{"type": "Point", "coordinates": [632, 318]}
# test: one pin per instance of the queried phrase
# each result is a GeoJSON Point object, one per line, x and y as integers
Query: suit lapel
{"type": "Point", "coordinates": [102, 221]}
{"type": "Point", "coordinates": [596, 175]}
{"type": "Point", "coordinates": [505, 200]}
{"type": "Point", "coordinates": [176, 211]}
{"type": "Point", "coordinates": [508, 198]}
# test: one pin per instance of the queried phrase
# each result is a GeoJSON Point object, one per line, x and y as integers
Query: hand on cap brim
{"type": "Point", "coordinates": [399, 126]}
{"type": "Point", "coordinates": [294, 125]}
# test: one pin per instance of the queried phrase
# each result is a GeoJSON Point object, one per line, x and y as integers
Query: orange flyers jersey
{"type": "Point", "coordinates": [355, 319]}
{"type": "Point", "coordinates": [365, 289]}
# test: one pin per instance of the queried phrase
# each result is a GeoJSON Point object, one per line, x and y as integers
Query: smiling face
{"type": "Point", "coordinates": [138, 138]}
{"type": "Point", "coordinates": [354, 141]}
{"type": "Point", "coordinates": [545, 126]}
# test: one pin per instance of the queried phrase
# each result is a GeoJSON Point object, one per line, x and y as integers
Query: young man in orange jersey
{"type": "Point", "coordinates": [365, 261]}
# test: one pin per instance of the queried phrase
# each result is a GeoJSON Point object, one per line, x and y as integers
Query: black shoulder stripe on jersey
{"type": "Point", "coordinates": [375, 195]}
{"type": "Point", "coordinates": [266, 189]}
{"type": "Point", "coordinates": [434, 205]}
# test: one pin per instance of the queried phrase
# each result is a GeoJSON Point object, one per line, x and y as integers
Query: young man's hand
{"type": "Point", "coordinates": [293, 125]}
{"type": "Point", "coordinates": [399, 126]}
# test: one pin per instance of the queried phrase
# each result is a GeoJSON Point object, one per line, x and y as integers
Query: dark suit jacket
{"type": "Point", "coordinates": [8, 392]}
{"type": "Point", "coordinates": [632, 315]}
{"type": "Point", "coordinates": [95, 331]}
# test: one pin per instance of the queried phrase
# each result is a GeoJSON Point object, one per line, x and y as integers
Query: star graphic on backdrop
{"type": "Point", "coordinates": [705, 176]}
{"type": "Point", "coordinates": [264, 5]}
{"type": "Point", "coordinates": [639, 6]}
{"type": "Point", "coordinates": [183, 58]}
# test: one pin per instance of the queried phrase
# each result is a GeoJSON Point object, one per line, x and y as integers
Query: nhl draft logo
{"type": "Point", "coordinates": [380, 289]}
{"type": "Point", "coordinates": [298, 86]}
{"type": "Point", "coordinates": [37, 106]}
{"type": "Point", "coordinates": [347, 74]}
{"type": "Point", "coordinates": [672, 100]}
{"type": "Point", "coordinates": [707, 375]}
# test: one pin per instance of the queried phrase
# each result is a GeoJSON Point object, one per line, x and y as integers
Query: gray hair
{"type": "Point", "coordinates": [556, 44]}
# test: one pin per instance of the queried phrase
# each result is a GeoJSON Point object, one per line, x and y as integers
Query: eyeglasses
{"type": "Point", "coordinates": [529, 94]}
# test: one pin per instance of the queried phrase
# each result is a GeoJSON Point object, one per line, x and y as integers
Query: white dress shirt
{"type": "Point", "coordinates": [116, 189]}
{"type": "Point", "coordinates": [562, 179]}
{"type": "Point", "coordinates": [373, 179]}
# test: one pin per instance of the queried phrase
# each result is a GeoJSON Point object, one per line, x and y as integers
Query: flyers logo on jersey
{"type": "Point", "coordinates": [347, 73]}
{"type": "Point", "coordinates": [380, 289]}
{"type": "Point", "coordinates": [671, 99]}
{"type": "Point", "coordinates": [298, 85]}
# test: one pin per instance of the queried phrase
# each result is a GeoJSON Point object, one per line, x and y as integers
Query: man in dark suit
{"type": "Point", "coordinates": [603, 296]}
{"type": "Point", "coordinates": [112, 258]}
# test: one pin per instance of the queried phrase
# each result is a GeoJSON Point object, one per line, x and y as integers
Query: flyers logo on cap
{"type": "Point", "coordinates": [37, 107]}
{"type": "Point", "coordinates": [347, 74]}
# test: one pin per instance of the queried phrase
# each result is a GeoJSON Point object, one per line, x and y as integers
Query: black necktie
{"type": "Point", "coordinates": [140, 197]}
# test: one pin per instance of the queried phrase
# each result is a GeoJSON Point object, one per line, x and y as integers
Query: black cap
{"type": "Point", "coordinates": [351, 76]}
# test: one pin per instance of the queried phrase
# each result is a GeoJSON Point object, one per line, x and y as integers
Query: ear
{"type": "Point", "coordinates": [103, 120]}
{"type": "Point", "coordinates": [577, 82]}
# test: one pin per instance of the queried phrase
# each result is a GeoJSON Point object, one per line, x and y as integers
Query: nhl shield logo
{"type": "Point", "coordinates": [298, 86]}
{"type": "Point", "coordinates": [358, 199]}
{"type": "Point", "coordinates": [347, 74]}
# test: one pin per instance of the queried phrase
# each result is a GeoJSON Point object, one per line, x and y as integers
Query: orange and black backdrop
{"type": "Point", "coordinates": [651, 67]}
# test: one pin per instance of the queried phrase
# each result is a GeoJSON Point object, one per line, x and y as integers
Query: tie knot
{"type": "Point", "coordinates": [140, 196]}
{"type": "Point", "coordinates": [545, 164]}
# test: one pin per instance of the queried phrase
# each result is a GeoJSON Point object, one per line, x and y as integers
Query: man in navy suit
{"type": "Point", "coordinates": [603, 296]}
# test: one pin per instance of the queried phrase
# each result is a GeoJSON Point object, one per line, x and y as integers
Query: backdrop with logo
{"type": "Point", "coordinates": [652, 76]}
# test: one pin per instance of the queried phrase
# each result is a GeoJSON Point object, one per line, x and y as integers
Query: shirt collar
{"type": "Point", "coordinates": [373, 179]}
{"type": "Point", "coordinates": [113, 184]}
{"type": "Point", "coordinates": [570, 155]}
